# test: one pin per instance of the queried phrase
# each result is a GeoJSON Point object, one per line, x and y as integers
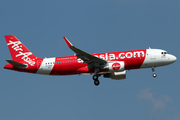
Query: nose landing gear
{"type": "Point", "coordinates": [154, 74]}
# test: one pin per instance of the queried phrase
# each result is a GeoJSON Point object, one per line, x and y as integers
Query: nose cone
{"type": "Point", "coordinates": [173, 58]}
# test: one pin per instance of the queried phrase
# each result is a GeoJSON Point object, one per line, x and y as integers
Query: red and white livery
{"type": "Point", "coordinates": [111, 64]}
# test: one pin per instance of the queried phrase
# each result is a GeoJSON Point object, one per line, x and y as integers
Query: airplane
{"type": "Point", "coordinates": [110, 64]}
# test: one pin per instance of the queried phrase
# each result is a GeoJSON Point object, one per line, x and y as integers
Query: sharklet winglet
{"type": "Point", "coordinates": [68, 42]}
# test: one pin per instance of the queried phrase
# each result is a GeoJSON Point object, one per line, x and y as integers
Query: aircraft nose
{"type": "Point", "coordinates": [173, 58]}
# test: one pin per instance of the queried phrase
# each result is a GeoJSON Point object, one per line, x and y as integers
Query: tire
{"type": "Point", "coordinates": [96, 82]}
{"type": "Point", "coordinates": [95, 77]}
{"type": "Point", "coordinates": [154, 75]}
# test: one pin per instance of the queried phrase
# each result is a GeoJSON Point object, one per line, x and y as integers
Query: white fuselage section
{"type": "Point", "coordinates": [157, 57]}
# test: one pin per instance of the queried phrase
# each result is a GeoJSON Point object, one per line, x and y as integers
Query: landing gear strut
{"type": "Point", "coordinates": [96, 81]}
{"type": "Point", "coordinates": [154, 74]}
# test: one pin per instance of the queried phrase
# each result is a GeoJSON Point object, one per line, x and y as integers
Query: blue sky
{"type": "Point", "coordinates": [94, 26]}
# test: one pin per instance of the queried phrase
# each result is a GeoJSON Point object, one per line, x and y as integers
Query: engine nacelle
{"type": "Point", "coordinates": [116, 75]}
{"type": "Point", "coordinates": [115, 66]}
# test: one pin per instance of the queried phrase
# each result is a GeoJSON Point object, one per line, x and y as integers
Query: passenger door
{"type": "Point", "coordinates": [152, 54]}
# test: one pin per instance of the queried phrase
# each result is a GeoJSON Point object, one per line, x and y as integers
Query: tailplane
{"type": "Point", "coordinates": [17, 64]}
{"type": "Point", "coordinates": [19, 52]}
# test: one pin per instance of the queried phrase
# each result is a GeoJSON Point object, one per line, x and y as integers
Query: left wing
{"type": "Point", "coordinates": [86, 57]}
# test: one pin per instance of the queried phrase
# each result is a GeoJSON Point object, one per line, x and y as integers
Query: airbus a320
{"type": "Point", "coordinates": [109, 65]}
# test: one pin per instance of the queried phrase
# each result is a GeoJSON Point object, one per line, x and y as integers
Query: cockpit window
{"type": "Point", "coordinates": [164, 53]}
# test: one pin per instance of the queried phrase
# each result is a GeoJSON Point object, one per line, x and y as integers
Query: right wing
{"type": "Point", "coordinates": [91, 60]}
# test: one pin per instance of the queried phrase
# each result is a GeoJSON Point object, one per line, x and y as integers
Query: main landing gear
{"type": "Point", "coordinates": [95, 76]}
{"type": "Point", "coordinates": [96, 81]}
{"type": "Point", "coordinates": [154, 74]}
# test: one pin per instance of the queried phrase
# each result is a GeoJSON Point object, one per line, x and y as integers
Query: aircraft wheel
{"type": "Point", "coordinates": [154, 75]}
{"type": "Point", "coordinates": [96, 82]}
{"type": "Point", "coordinates": [95, 77]}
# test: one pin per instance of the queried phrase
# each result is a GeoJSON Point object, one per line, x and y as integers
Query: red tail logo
{"type": "Point", "coordinates": [18, 51]}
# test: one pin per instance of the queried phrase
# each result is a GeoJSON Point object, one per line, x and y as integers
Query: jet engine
{"type": "Point", "coordinates": [116, 75]}
{"type": "Point", "coordinates": [114, 66]}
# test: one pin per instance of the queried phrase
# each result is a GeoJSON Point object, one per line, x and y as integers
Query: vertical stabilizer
{"type": "Point", "coordinates": [19, 52]}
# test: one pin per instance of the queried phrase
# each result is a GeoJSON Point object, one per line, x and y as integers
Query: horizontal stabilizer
{"type": "Point", "coordinates": [17, 64]}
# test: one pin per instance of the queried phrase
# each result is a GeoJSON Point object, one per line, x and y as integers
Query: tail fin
{"type": "Point", "coordinates": [19, 52]}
